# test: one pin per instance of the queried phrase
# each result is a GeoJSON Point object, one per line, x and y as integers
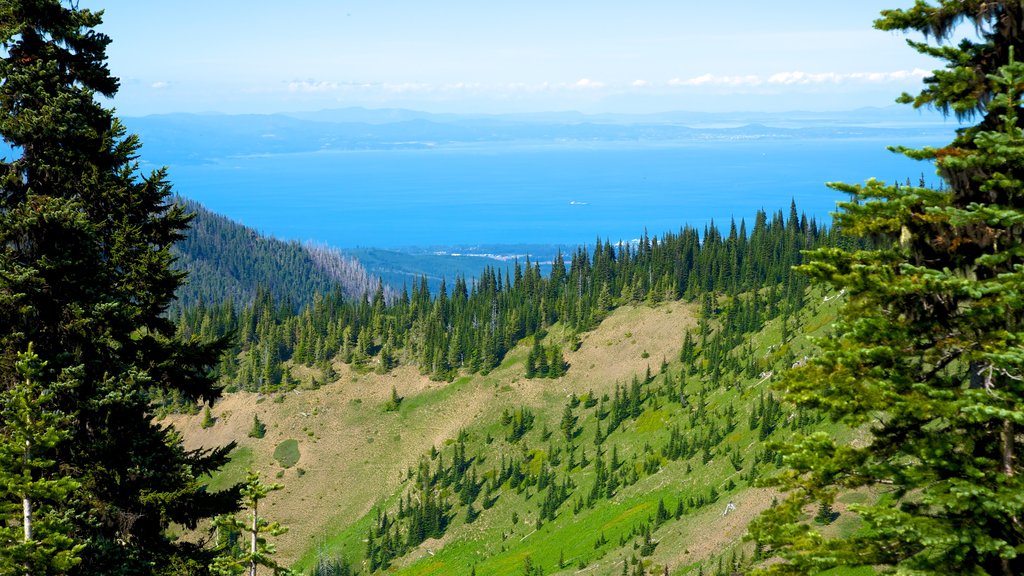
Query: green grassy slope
{"type": "Point", "coordinates": [358, 460]}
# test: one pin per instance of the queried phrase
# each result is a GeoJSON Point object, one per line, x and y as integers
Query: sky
{"type": "Point", "coordinates": [592, 56]}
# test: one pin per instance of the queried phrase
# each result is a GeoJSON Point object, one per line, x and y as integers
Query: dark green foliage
{"type": "Point", "coordinates": [568, 424]}
{"type": "Point", "coordinates": [29, 480]}
{"type": "Point", "coordinates": [926, 356]}
{"type": "Point", "coordinates": [230, 262]}
{"type": "Point", "coordinates": [86, 279]}
{"type": "Point", "coordinates": [243, 553]}
{"type": "Point", "coordinates": [258, 429]}
{"type": "Point", "coordinates": [519, 422]}
{"type": "Point", "coordinates": [287, 453]}
{"type": "Point", "coordinates": [470, 327]}
{"type": "Point", "coordinates": [825, 514]}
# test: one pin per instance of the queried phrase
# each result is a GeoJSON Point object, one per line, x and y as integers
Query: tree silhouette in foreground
{"type": "Point", "coordinates": [85, 280]}
{"type": "Point", "coordinates": [926, 362]}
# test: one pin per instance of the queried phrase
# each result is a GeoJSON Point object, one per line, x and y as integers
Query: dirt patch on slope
{"type": "Point", "coordinates": [354, 453]}
{"type": "Point", "coordinates": [713, 530]}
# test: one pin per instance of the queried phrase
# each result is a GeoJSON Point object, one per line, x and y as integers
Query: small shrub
{"type": "Point", "coordinates": [259, 429]}
{"type": "Point", "coordinates": [394, 403]}
{"type": "Point", "coordinates": [287, 453]}
{"type": "Point", "coordinates": [208, 419]}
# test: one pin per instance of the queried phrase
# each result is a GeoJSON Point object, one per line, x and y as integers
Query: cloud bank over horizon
{"type": "Point", "coordinates": [532, 56]}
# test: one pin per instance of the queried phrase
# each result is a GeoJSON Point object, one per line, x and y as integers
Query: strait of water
{"type": "Point", "coordinates": [547, 193]}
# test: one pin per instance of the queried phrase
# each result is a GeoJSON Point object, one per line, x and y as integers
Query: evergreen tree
{"type": "Point", "coordinates": [927, 351]}
{"type": "Point", "coordinates": [258, 429]}
{"type": "Point", "coordinates": [257, 528]}
{"type": "Point", "coordinates": [568, 423]}
{"type": "Point", "coordinates": [208, 420]}
{"type": "Point", "coordinates": [86, 277]}
{"type": "Point", "coordinates": [30, 485]}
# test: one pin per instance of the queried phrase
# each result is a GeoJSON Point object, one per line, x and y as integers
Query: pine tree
{"type": "Point", "coordinates": [258, 429]}
{"type": "Point", "coordinates": [30, 485]}
{"type": "Point", "coordinates": [927, 350]}
{"type": "Point", "coordinates": [257, 528]}
{"type": "Point", "coordinates": [208, 420]}
{"type": "Point", "coordinates": [568, 423]}
{"type": "Point", "coordinates": [86, 278]}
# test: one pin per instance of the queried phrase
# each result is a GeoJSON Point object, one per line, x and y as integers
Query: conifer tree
{"type": "Point", "coordinates": [259, 552]}
{"type": "Point", "coordinates": [927, 354]}
{"type": "Point", "coordinates": [86, 278]}
{"type": "Point", "coordinates": [258, 429]}
{"type": "Point", "coordinates": [30, 430]}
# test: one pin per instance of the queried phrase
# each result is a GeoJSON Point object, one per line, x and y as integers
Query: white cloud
{"type": "Point", "coordinates": [715, 80]}
{"type": "Point", "coordinates": [307, 86]}
{"type": "Point", "coordinates": [915, 74]}
{"type": "Point", "coordinates": [462, 86]}
{"type": "Point", "coordinates": [160, 85]}
{"type": "Point", "coordinates": [835, 78]}
{"type": "Point", "coordinates": [586, 87]}
{"type": "Point", "coordinates": [407, 87]}
{"type": "Point", "coordinates": [802, 78]}
{"type": "Point", "coordinates": [799, 78]}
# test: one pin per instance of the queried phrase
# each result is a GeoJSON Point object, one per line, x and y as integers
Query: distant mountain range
{"type": "Point", "coordinates": [861, 116]}
{"type": "Point", "coordinates": [198, 138]}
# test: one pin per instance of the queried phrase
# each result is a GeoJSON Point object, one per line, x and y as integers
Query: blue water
{"type": "Point", "coordinates": [545, 193]}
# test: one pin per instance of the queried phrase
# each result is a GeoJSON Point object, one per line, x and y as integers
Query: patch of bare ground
{"type": "Point", "coordinates": [707, 533]}
{"type": "Point", "coordinates": [613, 352]}
{"type": "Point", "coordinates": [354, 454]}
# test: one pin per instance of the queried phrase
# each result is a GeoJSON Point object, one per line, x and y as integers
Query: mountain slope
{"type": "Point", "coordinates": [597, 418]}
{"type": "Point", "coordinates": [227, 261]}
{"type": "Point", "coordinates": [346, 434]}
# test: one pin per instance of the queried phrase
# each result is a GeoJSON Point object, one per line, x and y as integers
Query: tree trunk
{"type": "Point", "coordinates": [26, 515]}
{"type": "Point", "coordinates": [26, 507]}
{"type": "Point", "coordinates": [26, 502]}
{"type": "Point", "coordinates": [1008, 446]}
{"type": "Point", "coordinates": [252, 545]}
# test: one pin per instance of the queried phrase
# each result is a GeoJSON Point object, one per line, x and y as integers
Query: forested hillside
{"type": "Point", "coordinates": [617, 425]}
{"type": "Point", "coordinates": [780, 398]}
{"type": "Point", "coordinates": [621, 415]}
{"type": "Point", "coordinates": [229, 262]}
{"type": "Point", "coordinates": [470, 328]}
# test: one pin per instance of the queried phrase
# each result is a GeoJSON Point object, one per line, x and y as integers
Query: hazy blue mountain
{"type": "Point", "coordinates": [199, 138]}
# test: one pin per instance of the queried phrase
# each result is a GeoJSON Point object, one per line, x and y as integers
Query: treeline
{"type": "Point", "coordinates": [470, 326]}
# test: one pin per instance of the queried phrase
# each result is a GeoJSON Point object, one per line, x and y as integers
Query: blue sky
{"type": "Point", "coordinates": [479, 56]}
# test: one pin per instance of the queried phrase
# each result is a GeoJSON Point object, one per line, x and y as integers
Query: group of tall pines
{"type": "Point", "coordinates": [471, 326]}
{"type": "Point", "coordinates": [925, 363]}
{"type": "Point", "coordinates": [89, 483]}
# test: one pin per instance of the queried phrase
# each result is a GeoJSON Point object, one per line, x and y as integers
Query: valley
{"type": "Point", "coordinates": [631, 456]}
{"type": "Point", "coordinates": [355, 455]}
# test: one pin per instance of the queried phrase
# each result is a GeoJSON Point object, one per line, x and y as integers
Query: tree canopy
{"type": "Point", "coordinates": [85, 280]}
{"type": "Point", "coordinates": [926, 363]}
